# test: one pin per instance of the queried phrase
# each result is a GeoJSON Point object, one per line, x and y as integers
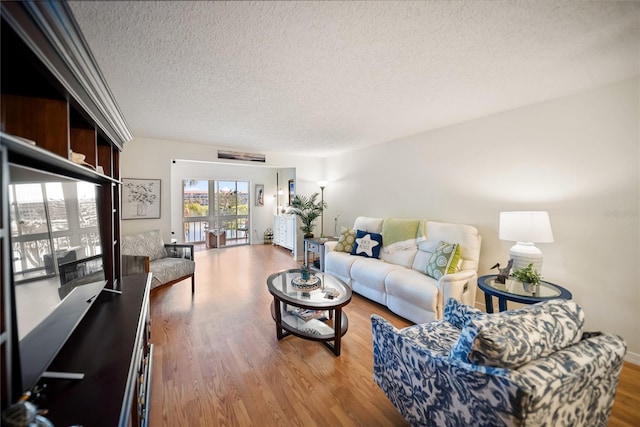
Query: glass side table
{"type": "Point", "coordinates": [313, 312]}
{"type": "Point", "coordinates": [513, 290]}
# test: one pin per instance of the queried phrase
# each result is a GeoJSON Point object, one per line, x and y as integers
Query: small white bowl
{"type": "Point", "coordinates": [76, 157]}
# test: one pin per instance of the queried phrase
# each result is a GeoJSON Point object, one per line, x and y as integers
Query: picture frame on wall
{"type": "Point", "coordinates": [259, 194]}
{"type": "Point", "coordinates": [140, 198]}
{"type": "Point", "coordinates": [292, 190]}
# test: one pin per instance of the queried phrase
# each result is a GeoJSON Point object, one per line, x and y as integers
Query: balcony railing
{"type": "Point", "coordinates": [195, 230]}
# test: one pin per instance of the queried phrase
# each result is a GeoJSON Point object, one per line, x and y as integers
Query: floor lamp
{"type": "Point", "coordinates": [322, 185]}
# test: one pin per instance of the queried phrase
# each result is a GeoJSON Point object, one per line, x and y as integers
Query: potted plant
{"type": "Point", "coordinates": [529, 277]}
{"type": "Point", "coordinates": [308, 209]}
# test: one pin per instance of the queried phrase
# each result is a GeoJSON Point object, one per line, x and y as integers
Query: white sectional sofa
{"type": "Point", "coordinates": [398, 278]}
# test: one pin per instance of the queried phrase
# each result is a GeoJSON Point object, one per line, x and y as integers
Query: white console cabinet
{"type": "Point", "coordinates": [284, 231]}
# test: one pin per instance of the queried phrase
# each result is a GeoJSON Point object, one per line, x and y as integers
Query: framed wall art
{"type": "Point", "coordinates": [259, 195]}
{"type": "Point", "coordinates": [140, 198]}
{"type": "Point", "coordinates": [292, 190]}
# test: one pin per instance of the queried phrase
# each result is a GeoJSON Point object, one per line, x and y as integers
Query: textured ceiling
{"type": "Point", "coordinates": [323, 77]}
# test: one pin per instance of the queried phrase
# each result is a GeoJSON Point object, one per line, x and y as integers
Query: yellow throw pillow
{"type": "Point", "coordinates": [346, 240]}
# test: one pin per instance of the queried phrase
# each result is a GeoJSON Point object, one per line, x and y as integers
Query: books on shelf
{"type": "Point", "coordinates": [316, 327]}
{"type": "Point", "coordinates": [331, 293]}
{"type": "Point", "coordinates": [306, 314]}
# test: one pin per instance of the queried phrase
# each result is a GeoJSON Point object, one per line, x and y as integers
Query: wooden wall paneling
{"type": "Point", "coordinates": [41, 120]}
{"type": "Point", "coordinates": [83, 141]}
{"type": "Point", "coordinates": [82, 135]}
{"type": "Point", "coordinates": [104, 155]}
{"type": "Point", "coordinates": [115, 173]}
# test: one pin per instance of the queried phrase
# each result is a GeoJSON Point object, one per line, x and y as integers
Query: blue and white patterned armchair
{"type": "Point", "coordinates": [532, 366]}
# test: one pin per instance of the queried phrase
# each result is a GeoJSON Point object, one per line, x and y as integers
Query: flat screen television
{"type": "Point", "coordinates": [56, 261]}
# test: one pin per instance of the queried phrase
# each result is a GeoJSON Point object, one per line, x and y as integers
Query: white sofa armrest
{"type": "Point", "coordinates": [461, 285]}
{"type": "Point", "coordinates": [329, 247]}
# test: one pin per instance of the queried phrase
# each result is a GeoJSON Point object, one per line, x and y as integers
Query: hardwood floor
{"type": "Point", "coordinates": [217, 361]}
{"type": "Point", "coordinates": [626, 408]}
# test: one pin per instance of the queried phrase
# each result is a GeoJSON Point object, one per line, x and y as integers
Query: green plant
{"type": "Point", "coordinates": [308, 209]}
{"type": "Point", "coordinates": [527, 274]}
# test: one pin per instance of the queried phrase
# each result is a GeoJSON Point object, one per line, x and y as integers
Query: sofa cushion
{"type": "Point", "coordinates": [339, 264]}
{"type": "Point", "coordinates": [346, 241]}
{"type": "Point", "coordinates": [167, 269]}
{"type": "Point", "coordinates": [422, 257]}
{"type": "Point", "coordinates": [464, 235]}
{"type": "Point", "coordinates": [399, 234]}
{"type": "Point", "coordinates": [372, 225]}
{"type": "Point", "coordinates": [368, 278]}
{"type": "Point", "coordinates": [409, 285]}
{"type": "Point", "coordinates": [513, 338]}
{"type": "Point", "coordinates": [444, 260]}
{"type": "Point", "coordinates": [403, 258]}
{"type": "Point", "coordinates": [149, 244]}
{"type": "Point", "coordinates": [438, 336]}
{"type": "Point", "coordinates": [367, 244]}
{"type": "Point", "coordinates": [459, 314]}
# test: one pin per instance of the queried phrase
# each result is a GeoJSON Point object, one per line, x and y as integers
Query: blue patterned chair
{"type": "Point", "coordinates": [533, 366]}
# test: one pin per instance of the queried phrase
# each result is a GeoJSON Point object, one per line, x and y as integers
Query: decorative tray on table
{"type": "Point", "coordinates": [311, 284]}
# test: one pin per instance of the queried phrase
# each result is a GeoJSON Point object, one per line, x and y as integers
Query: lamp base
{"type": "Point", "coordinates": [525, 253]}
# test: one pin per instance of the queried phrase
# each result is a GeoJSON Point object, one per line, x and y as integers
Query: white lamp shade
{"type": "Point", "coordinates": [525, 226]}
{"type": "Point", "coordinates": [322, 184]}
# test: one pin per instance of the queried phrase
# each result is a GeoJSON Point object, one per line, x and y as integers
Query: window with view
{"type": "Point", "coordinates": [216, 209]}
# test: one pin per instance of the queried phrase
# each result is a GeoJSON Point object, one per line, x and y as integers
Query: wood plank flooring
{"type": "Point", "coordinates": [217, 361]}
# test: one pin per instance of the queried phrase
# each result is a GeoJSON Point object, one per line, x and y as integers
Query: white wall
{"type": "Point", "coordinates": [151, 158]}
{"type": "Point", "coordinates": [576, 157]}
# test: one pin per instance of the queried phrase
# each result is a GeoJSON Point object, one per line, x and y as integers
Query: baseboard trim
{"type": "Point", "coordinates": [633, 358]}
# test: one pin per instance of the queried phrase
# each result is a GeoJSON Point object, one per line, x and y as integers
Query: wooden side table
{"type": "Point", "coordinates": [315, 245]}
{"type": "Point", "coordinates": [513, 290]}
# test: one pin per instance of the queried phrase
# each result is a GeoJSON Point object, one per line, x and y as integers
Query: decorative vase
{"type": "Point", "coordinates": [142, 209]}
{"type": "Point", "coordinates": [530, 287]}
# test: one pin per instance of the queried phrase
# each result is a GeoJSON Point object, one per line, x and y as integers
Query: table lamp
{"type": "Point", "coordinates": [525, 228]}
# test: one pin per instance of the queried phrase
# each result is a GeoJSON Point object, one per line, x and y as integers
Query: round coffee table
{"type": "Point", "coordinates": [513, 290]}
{"type": "Point", "coordinates": [309, 309]}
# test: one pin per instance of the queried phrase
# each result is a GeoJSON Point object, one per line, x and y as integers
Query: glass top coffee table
{"type": "Point", "coordinates": [514, 290]}
{"type": "Point", "coordinates": [309, 309]}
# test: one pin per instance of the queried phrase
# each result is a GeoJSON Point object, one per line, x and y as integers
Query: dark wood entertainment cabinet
{"type": "Point", "coordinates": [115, 388]}
{"type": "Point", "coordinates": [53, 93]}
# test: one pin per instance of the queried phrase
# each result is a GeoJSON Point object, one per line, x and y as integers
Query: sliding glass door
{"type": "Point", "coordinates": [216, 212]}
{"type": "Point", "coordinates": [232, 210]}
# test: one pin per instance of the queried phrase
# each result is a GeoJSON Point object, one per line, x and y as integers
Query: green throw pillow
{"type": "Point", "coordinates": [444, 260]}
{"type": "Point", "coordinates": [346, 241]}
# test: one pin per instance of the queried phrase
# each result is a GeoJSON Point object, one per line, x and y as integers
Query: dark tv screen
{"type": "Point", "coordinates": [56, 262]}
